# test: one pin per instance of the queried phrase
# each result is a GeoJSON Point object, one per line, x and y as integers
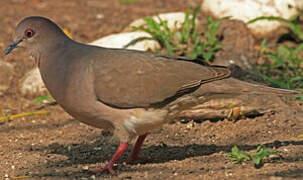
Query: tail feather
{"type": "Point", "coordinates": [261, 89]}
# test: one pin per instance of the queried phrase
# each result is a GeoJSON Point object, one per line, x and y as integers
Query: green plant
{"type": "Point", "coordinates": [185, 41]}
{"type": "Point", "coordinates": [285, 66]}
{"type": "Point", "coordinates": [238, 156]}
{"type": "Point", "coordinates": [263, 46]}
{"type": "Point", "coordinates": [260, 153]}
{"type": "Point", "coordinates": [293, 24]}
{"type": "Point", "coordinates": [212, 44]}
{"type": "Point", "coordinates": [257, 157]}
{"type": "Point", "coordinates": [43, 98]}
{"type": "Point", "coordinates": [284, 69]}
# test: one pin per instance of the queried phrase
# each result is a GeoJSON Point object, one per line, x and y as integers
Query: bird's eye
{"type": "Point", "coordinates": [29, 33]}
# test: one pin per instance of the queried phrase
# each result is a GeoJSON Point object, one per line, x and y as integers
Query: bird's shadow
{"type": "Point", "coordinates": [100, 152]}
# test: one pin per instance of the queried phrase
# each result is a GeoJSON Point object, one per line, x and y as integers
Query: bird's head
{"type": "Point", "coordinates": [34, 33]}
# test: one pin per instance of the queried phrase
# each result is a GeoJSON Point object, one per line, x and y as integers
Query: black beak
{"type": "Point", "coordinates": [12, 46]}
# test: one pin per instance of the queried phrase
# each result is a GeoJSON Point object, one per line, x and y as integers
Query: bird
{"type": "Point", "coordinates": [128, 92]}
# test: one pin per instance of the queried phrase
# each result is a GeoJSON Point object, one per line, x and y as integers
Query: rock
{"type": "Point", "coordinates": [237, 45]}
{"type": "Point", "coordinates": [122, 39]}
{"type": "Point", "coordinates": [236, 37]}
{"type": "Point", "coordinates": [6, 76]}
{"type": "Point", "coordinates": [32, 84]}
{"type": "Point", "coordinates": [247, 10]}
{"type": "Point", "coordinates": [174, 20]}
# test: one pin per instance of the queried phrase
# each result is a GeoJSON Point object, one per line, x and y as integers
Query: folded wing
{"type": "Point", "coordinates": [140, 79]}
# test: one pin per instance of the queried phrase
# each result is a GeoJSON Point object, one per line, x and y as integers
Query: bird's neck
{"type": "Point", "coordinates": [50, 63]}
{"type": "Point", "coordinates": [45, 55]}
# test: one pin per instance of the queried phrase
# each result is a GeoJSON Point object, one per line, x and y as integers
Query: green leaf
{"type": "Point", "coordinates": [237, 156]}
{"type": "Point", "coordinates": [186, 40]}
{"type": "Point", "coordinates": [263, 44]}
{"type": "Point", "coordinates": [42, 98]}
{"type": "Point", "coordinates": [260, 154]}
{"type": "Point", "coordinates": [135, 41]}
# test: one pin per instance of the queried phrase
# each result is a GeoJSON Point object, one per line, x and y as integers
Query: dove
{"type": "Point", "coordinates": [128, 92]}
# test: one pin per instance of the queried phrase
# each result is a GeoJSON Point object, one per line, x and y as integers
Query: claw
{"type": "Point", "coordinates": [108, 167]}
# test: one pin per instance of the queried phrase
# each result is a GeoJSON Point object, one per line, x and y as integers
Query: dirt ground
{"type": "Point", "coordinates": [56, 146]}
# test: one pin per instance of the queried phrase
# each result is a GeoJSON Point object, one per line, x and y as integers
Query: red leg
{"type": "Point", "coordinates": [109, 166]}
{"type": "Point", "coordinates": [134, 154]}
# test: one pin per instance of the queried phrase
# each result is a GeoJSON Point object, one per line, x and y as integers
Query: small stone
{"type": "Point", "coordinates": [99, 16]}
{"type": "Point", "coordinates": [184, 121]}
{"type": "Point", "coordinates": [273, 156]}
{"type": "Point", "coordinates": [122, 39]}
{"type": "Point", "coordinates": [190, 125]}
{"type": "Point", "coordinates": [98, 148]}
{"type": "Point", "coordinates": [32, 84]}
{"type": "Point", "coordinates": [85, 168]}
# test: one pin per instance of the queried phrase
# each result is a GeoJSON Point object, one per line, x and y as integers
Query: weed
{"type": "Point", "coordinates": [185, 41]}
{"type": "Point", "coordinates": [43, 98]}
{"type": "Point", "coordinates": [257, 157]}
{"type": "Point", "coordinates": [238, 156]}
{"type": "Point", "coordinates": [260, 153]}
{"type": "Point", "coordinates": [285, 67]}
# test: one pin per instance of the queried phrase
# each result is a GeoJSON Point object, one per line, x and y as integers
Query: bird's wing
{"type": "Point", "coordinates": [127, 79]}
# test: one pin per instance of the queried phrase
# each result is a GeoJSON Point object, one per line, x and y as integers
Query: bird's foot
{"type": "Point", "coordinates": [108, 167]}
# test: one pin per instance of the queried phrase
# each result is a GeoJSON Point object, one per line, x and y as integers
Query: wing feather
{"type": "Point", "coordinates": [140, 79]}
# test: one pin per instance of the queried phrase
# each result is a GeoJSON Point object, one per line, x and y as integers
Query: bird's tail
{"type": "Point", "coordinates": [232, 99]}
{"type": "Point", "coordinates": [262, 89]}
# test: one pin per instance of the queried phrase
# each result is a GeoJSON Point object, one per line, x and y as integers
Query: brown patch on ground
{"type": "Point", "coordinates": [58, 147]}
